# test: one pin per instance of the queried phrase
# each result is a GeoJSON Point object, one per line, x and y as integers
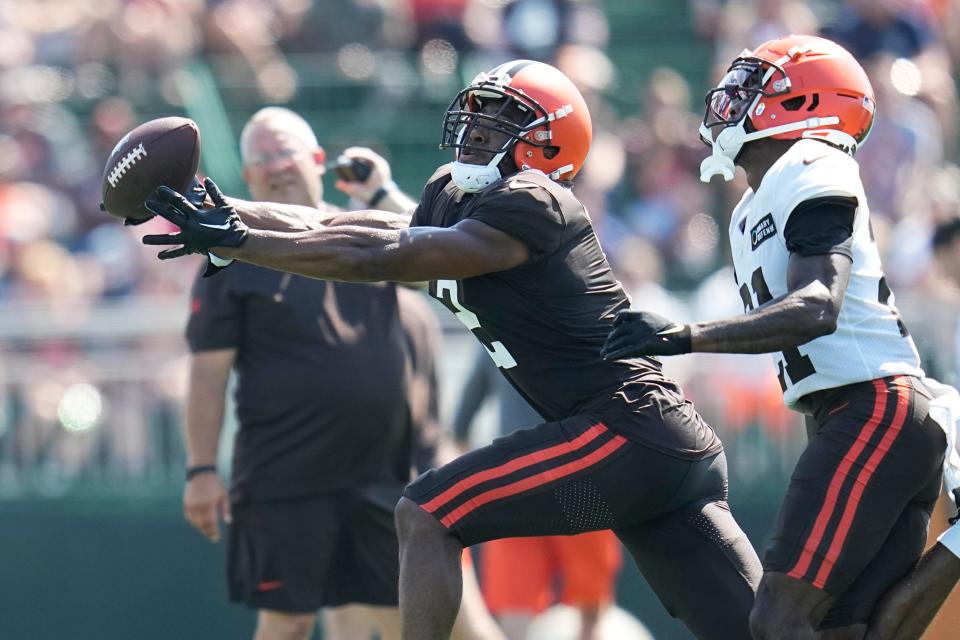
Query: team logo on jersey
{"type": "Point", "coordinates": [761, 231]}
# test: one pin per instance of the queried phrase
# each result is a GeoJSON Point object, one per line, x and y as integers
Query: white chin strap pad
{"type": "Point", "coordinates": [723, 150]}
{"type": "Point", "coordinates": [716, 164]}
{"type": "Point", "coordinates": [476, 177]}
{"type": "Point", "coordinates": [473, 177]}
{"type": "Point", "coordinates": [731, 139]}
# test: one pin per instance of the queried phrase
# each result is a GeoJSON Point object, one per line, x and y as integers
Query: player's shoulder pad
{"type": "Point", "coordinates": [441, 175]}
{"type": "Point", "coordinates": [533, 184]}
{"type": "Point", "coordinates": [814, 165]}
{"type": "Point", "coordinates": [439, 181]}
{"type": "Point", "coordinates": [811, 169]}
{"type": "Point", "coordinates": [530, 179]}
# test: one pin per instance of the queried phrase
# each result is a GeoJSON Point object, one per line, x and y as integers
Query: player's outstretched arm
{"type": "Point", "coordinates": [274, 216]}
{"type": "Point", "coordinates": [364, 254]}
{"type": "Point", "coordinates": [349, 253]}
{"type": "Point", "coordinates": [389, 206]}
{"type": "Point", "coordinates": [373, 219]}
{"type": "Point", "coordinates": [810, 308]}
{"type": "Point", "coordinates": [292, 218]}
{"type": "Point", "coordinates": [807, 311]}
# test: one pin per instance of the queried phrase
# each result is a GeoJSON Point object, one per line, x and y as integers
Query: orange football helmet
{"type": "Point", "coordinates": [553, 138]}
{"type": "Point", "coordinates": [788, 88]}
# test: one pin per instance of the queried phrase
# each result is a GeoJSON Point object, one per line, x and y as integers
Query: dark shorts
{"type": "Point", "coordinates": [856, 512]}
{"type": "Point", "coordinates": [576, 475]}
{"type": "Point", "coordinates": [300, 555]}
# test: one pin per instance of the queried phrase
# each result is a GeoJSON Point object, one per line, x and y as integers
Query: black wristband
{"type": "Point", "coordinates": [378, 195]}
{"type": "Point", "coordinates": [200, 468]}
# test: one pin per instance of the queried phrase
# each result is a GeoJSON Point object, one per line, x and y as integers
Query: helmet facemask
{"type": "Point", "coordinates": [728, 107]}
{"type": "Point", "coordinates": [500, 112]}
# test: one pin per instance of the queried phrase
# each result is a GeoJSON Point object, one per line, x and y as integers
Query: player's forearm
{"type": "Point", "coordinates": [371, 219]}
{"type": "Point", "coordinates": [788, 321]}
{"type": "Point", "coordinates": [274, 216]}
{"type": "Point", "coordinates": [345, 253]}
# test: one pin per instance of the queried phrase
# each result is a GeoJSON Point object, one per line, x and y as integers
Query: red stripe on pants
{"type": "Point", "coordinates": [533, 481]}
{"type": "Point", "coordinates": [510, 466]}
{"type": "Point", "coordinates": [839, 477]}
{"type": "Point", "coordinates": [863, 478]}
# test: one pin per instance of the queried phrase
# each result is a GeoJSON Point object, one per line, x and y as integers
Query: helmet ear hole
{"type": "Point", "coordinates": [793, 104]}
{"type": "Point", "coordinates": [550, 152]}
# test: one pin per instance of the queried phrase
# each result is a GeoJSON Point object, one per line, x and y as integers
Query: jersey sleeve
{"type": "Point", "coordinates": [525, 211]}
{"type": "Point", "coordinates": [215, 314]}
{"type": "Point", "coordinates": [421, 215]}
{"type": "Point", "coordinates": [821, 225]}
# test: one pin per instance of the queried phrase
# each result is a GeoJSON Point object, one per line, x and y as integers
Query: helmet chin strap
{"type": "Point", "coordinates": [731, 139]}
{"type": "Point", "coordinates": [717, 163]}
{"type": "Point", "coordinates": [476, 177]}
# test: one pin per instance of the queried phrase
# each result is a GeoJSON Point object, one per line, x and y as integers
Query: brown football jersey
{"type": "Point", "coordinates": [545, 321]}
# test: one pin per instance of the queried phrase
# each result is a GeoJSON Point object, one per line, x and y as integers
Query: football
{"type": "Point", "coordinates": [165, 151]}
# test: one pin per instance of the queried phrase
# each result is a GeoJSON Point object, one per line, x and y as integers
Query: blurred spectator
{"type": "Point", "coordinates": [252, 30]}
{"type": "Point", "coordinates": [440, 19]}
{"type": "Point", "coordinates": [538, 28]}
{"type": "Point", "coordinates": [868, 27]}
{"type": "Point", "coordinates": [946, 247]}
{"type": "Point", "coordinates": [945, 242]}
{"type": "Point", "coordinates": [907, 30]}
{"type": "Point", "coordinates": [906, 141]}
{"type": "Point", "coordinates": [327, 466]}
{"type": "Point", "coordinates": [664, 200]}
{"type": "Point", "coordinates": [749, 23]}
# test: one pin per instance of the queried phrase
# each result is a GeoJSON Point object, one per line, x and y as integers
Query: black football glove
{"type": "Point", "coordinates": [641, 333]}
{"type": "Point", "coordinates": [197, 196]}
{"type": "Point", "coordinates": [196, 193]}
{"type": "Point", "coordinates": [200, 229]}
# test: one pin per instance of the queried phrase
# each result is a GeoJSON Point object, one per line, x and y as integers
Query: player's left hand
{"type": "Point", "coordinates": [200, 229]}
{"type": "Point", "coordinates": [197, 196]}
{"type": "Point", "coordinates": [642, 333]}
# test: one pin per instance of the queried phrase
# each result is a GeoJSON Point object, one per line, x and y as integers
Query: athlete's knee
{"type": "Point", "coordinates": [783, 609]}
{"type": "Point", "coordinates": [275, 625]}
{"type": "Point", "coordinates": [767, 623]}
{"type": "Point", "coordinates": [413, 523]}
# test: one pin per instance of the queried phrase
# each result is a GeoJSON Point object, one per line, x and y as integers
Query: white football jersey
{"type": "Point", "coordinates": [870, 340]}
